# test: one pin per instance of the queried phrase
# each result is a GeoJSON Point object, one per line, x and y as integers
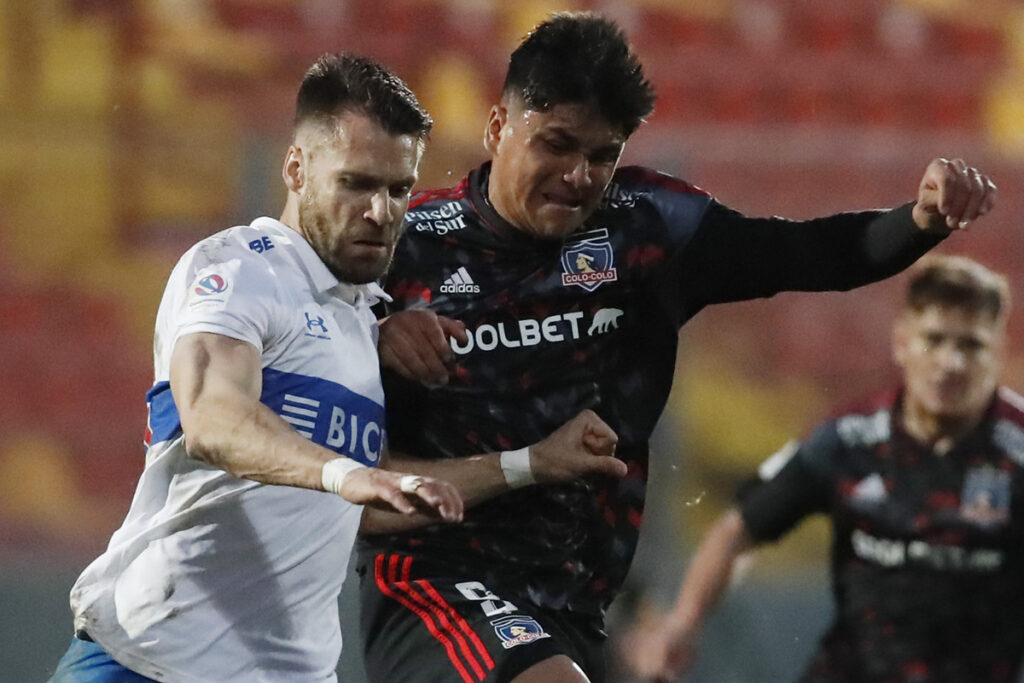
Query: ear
{"type": "Point", "coordinates": [294, 170]}
{"type": "Point", "coordinates": [496, 122]}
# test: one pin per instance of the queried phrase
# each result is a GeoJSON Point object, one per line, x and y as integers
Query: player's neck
{"type": "Point", "coordinates": [290, 214]}
{"type": "Point", "coordinates": [938, 432]}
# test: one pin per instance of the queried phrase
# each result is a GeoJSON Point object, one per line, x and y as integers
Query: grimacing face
{"type": "Point", "coordinates": [356, 180]}
{"type": "Point", "coordinates": [549, 168]}
{"type": "Point", "coordinates": [951, 360]}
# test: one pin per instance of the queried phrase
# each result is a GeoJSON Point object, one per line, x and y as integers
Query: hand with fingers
{"type": "Point", "coordinates": [669, 654]}
{"type": "Point", "coordinates": [654, 649]}
{"type": "Point", "coordinates": [414, 343]}
{"type": "Point", "coordinates": [952, 195]}
{"type": "Point", "coordinates": [583, 445]}
{"type": "Point", "coordinates": [405, 493]}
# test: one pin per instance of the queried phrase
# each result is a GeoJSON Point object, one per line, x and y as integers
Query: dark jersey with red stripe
{"type": "Point", "coordinates": [928, 548]}
{"type": "Point", "coordinates": [590, 321]}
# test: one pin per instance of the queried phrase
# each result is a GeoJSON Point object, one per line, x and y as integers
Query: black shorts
{"type": "Point", "coordinates": [418, 625]}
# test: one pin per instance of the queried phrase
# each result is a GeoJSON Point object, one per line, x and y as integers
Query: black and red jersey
{"type": "Point", "coordinates": [928, 547]}
{"type": "Point", "coordinates": [589, 321]}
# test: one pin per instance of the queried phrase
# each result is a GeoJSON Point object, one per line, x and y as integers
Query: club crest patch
{"type": "Point", "coordinates": [985, 498]}
{"type": "Point", "coordinates": [518, 630]}
{"type": "Point", "coordinates": [588, 261]}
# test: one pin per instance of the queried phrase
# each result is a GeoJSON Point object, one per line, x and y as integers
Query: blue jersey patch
{"type": "Point", "coordinates": [164, 423]}
{"type": "Point", "coordinates": [326, 413]}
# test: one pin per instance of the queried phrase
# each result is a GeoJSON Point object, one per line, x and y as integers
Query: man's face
{"type": "Point", "coordinates": [354, 194]}
{"type": "Point", "coordinates": [549, 168]}
{"type": "Point", "coordinates": [951, 360]}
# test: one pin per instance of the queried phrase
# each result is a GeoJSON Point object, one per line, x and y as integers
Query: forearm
{"type": "Point", "coordinates": [249, 441]}
{"type": "Point", "coordinates": [711, 572]}
{"type": "Point", "coordinates": [477, 478]}
{"type": "Point", "coordinates": [893, 241]}
{"type": "Point", "coordinates": [585, 445]}
{"type": "Point", "coordinates": [735, 257]}
{"type": "Point", "coordinates": [216, 383]}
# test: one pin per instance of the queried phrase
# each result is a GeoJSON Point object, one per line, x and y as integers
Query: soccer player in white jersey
{"type": "Point", "coordinates": [266, 417]}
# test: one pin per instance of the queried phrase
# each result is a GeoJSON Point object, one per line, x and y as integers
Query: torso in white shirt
{"type": "Point", "coordinates": [215, 578]}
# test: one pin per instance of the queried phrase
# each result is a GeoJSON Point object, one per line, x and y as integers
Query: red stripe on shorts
{"type": "Point", "coordinates": [424, 615]}
{"type": "Point", "coordinates": [466, 628]}
{"type": "Point", "coordinates": [409, 588]}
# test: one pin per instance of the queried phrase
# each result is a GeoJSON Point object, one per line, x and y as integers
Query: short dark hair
{"type": "Point", "coordinates": [338, 83]}
{"type": "Point", "coordinates": [581, 58]}
{"type": "Point", "coordinates": [958, 282]}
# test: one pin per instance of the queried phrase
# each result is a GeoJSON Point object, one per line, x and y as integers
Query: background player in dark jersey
{"type": "Point", "coordinates": [923, 488]}
{"type": "Point", "coordinates": [563, 283]}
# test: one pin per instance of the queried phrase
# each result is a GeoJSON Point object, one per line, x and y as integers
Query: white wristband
{"type": "Point", "coordinates": [515, 465]}
{"type": "Point", "coordinates": [332, 476]}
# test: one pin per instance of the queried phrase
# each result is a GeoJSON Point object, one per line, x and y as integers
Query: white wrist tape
{"type": "Point", "coordinates": [332, 476]}
{"type": "Point", "coordinates": [515, 465]}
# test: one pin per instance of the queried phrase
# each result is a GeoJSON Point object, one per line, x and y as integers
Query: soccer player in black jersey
{"type": "Point", "coordinates": [923, 486]}
{"type": "Point", "coordinates": [549, 281]}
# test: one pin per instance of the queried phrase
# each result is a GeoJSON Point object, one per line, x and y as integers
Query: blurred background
{"type": "Point", "coordinates": [131, 128]}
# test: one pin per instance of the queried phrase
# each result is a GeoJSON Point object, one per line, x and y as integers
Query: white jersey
{"type": "Point", "coordinates": [215, 578]}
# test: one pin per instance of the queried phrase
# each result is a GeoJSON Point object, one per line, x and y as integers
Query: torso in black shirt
{"type": "Point", "coordinates": [927, 547]}
{"type": "Point", "coordinates": [588, 322]}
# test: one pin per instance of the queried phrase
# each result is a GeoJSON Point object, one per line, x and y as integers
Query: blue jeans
{"type": "Point", "coordinates": [87, 662]}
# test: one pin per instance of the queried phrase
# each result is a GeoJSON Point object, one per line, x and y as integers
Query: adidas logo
{"type": "Point", "coordinates": [459, 282]}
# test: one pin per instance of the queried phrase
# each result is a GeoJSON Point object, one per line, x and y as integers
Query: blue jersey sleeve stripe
{"type": "Point", "coordinates": [164, 422]}
{"type": "Point", "coordinates": [327, 413]}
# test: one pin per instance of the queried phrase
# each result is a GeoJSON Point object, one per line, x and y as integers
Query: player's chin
{"type": "Point", "coordinates": [955, 409]}
{"type": "Point", "coordinates": [558, 221]}
{"type": "Point", "coordinates": [364, 268]}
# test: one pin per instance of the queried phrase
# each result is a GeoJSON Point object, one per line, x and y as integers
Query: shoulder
{"type": "Point", "coordinates": [656, 207]}
{"type": "Point", "coordinates": [863, 424]}
{"type": "Point", "coordinates": [633, 184]}
{"type": "Point", "coordinates": [643, 177]}
{"type": "Point", "coordinates": [866, 423]}
{"type": "Point", "coordinates": [1008, 423]}
{"type": "Point", "coordinates": [224, 260]}
{"type": "Point", "coordinates": [239, 243]}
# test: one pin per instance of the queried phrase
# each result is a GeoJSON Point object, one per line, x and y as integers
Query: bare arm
{"type": "Point", "coordinates": [668, 650]}
{"type": "Point", "coordinates": [584, 445]}
{"type": "Point", "coordinates": [216, 382]}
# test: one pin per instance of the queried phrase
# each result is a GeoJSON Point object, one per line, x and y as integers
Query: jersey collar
{"type": "Point", "coordinates": [320, 277]}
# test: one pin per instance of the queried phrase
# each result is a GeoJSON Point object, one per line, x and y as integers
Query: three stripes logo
{"type": "Point", "coordinates": [465, 649]}
{"type": "Point", "coordinates": [460, 282]}
{"type": "Point", "coordinates": [301, 413]}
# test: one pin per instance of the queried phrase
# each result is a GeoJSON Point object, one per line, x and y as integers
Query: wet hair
{"type": "Point", "coordinates": [339, 83]}
{"type": "Point", "coordinates": [958, 282]}
{"type": "Point", "coordinates": [581, 58]}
